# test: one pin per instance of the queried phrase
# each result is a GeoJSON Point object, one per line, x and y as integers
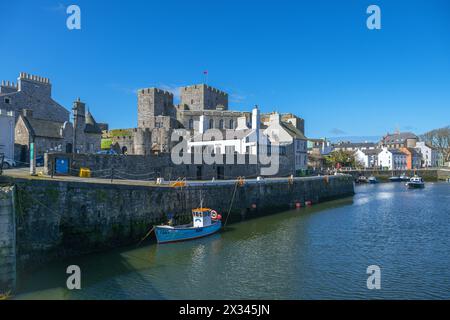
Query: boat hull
{"type": "Point", "coordinates": [166, 234]}
{"type": "Point", "coordinates": [395, 179]}
{"type": "Point", "coordinates": [411, 185]}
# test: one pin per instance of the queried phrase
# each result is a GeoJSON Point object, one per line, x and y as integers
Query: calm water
{"type": "Point", "coordinates": [312, 253]}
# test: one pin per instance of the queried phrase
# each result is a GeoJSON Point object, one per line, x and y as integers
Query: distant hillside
{"type": "Point", "coordinates": [355, 139]}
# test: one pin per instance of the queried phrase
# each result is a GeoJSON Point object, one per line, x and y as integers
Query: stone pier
{"type": "Point", "coordinates": [64, 218]}
{"type": "Point", "coordinates": [7, 241]}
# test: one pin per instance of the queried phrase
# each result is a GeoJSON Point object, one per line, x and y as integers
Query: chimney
{"type": "Point", "coordinates": [27, 113]}
{"type": "Point", "coordinates": [255, 118]}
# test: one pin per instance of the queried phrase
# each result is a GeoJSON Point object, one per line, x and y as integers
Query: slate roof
{"type": "Point", "coordinates": [43, 128]}
{"type": "Point", "coordinates": [356, 145]}
{"type": "Point", "coordinates": [399, 137]}
{"type": "Point", "coordinates": [371, 152]}
{"type": "Point", "coordinates": [91, 125]}
{"type": "Point", "coordinates": [293, 131]}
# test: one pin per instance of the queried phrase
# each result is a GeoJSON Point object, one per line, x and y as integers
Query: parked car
{"type": "Point", "coordinates": [8, 163]}
{"type": "Point", "coordinates": [39, 161]}
{"type": "Point", "coordinates": [111, 152]}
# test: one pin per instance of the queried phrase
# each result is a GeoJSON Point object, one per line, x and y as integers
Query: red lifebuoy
{"type": "Point", "coordinates": [213, 214]}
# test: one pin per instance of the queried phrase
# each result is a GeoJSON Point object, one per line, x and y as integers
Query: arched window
{"type": "Point", "coordinates": [231, 124]}
{"type": "Point", "coordinates": [211, 123]}
{"type": "Point", "coordinates": [221, 126]}
{"type": "Point", "coordinates": [191, 123]}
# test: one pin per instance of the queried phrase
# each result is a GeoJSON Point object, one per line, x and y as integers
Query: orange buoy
{"type": "Point", "coordinates": [298, 205]}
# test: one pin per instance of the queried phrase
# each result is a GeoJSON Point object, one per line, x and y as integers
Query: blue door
{"type": "Point", "coordinates": [62, 166]}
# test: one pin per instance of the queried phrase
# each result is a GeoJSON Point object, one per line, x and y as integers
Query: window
{"type": "Point", "coordinates": [221, 126]}
{"type": "Point", "coordinates": [191, 123]}
{"type": "Point", "coordinates": [231, 124]}
{"type": "Point", "coordinates": [211, 123]}
{"type": "Point", "coordinates": [7, 100]}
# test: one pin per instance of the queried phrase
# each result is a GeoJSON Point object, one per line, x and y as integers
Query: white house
{"type": "Point", "coordinates": [368, 157]}
{"type": "Point", "coordinates": [242, 140]}
{"type": "Point", "coordinates": [392, 159]}
{"type": "Point", "coordinates": [7, 125]}
{"type": "Point", "coordinates": [430, 155]}
{"type": "Point", "coordinates": [291, 141]}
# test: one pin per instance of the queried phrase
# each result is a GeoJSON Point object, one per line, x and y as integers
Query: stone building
{"type": "Point", "coordinates": [33, 93]}
{"type": "Point", "coordinates": [399, 140]}
{"type": "Point", "coordinates": [41, 119]}
{"type": "Point", "coordinates": [87, 134]}
{"type": "Point", "coordinates": [202, 107]}
{"type": "Point", "coordinates": [48, 136]}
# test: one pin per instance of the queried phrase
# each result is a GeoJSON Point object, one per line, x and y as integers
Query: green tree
{"type": "Point", "coordinates": [342, 158]}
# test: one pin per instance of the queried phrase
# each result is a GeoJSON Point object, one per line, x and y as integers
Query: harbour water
{"type": "Point", "coordinates": [320, 252]}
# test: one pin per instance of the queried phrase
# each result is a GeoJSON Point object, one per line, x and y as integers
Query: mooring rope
{"type": "Point", "coordinates": [231, 203]}
{"type": "Point", "coordinates": [146, 236]}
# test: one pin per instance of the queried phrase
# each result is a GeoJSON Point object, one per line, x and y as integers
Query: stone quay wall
{"type": "Point", "coordinates": [384, 175]}
{"type": "Point", "coordinates": [7, 240]}
{"type": "Point", "coordinates": [139, 167]}
{"type": "Point", "coordinates": [60, 219]}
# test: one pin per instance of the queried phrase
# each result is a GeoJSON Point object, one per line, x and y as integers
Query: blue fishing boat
{"type": "Point", "coordinates": [205, 222]}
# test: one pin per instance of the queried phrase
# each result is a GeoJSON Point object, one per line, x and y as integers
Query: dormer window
{"type": "Point", "coordinates": [7, 100]}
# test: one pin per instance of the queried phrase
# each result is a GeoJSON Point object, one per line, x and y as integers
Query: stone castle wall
{"type": "Point", "coordinates": [150, 167]}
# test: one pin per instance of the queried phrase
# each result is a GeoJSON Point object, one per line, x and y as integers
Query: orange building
{"type": "Point", "coordinates": [413, 158]}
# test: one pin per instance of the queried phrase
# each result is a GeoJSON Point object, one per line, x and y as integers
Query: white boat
{"type": "Point", "coordinates": [372, 180]}
{"type": "Point", "coordinates": [415, 182]}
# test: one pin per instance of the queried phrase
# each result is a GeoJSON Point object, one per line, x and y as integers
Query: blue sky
{"type": "Point", "coordinates": [313, 58]}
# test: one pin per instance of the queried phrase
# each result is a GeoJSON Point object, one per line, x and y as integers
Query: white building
{"type": "Point", "coordinates": [392, 159]}
{"type": "Point", "coordinates": [368, 157]}
{"type": "Point", "coordinates": [7, 125]}
{"type": "Point", "coordinates": [242, 140]}
{"type": "Point", "coordinates": [290, 141]}
{"type": "Point", "coordinates": [430, 155]}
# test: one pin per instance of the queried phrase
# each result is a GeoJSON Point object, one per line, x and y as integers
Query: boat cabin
{"type": "Point", "coordinates": [201, 217]}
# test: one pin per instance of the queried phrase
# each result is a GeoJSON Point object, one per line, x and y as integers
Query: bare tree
{"type": "Point", "coordinates": [440, 139]}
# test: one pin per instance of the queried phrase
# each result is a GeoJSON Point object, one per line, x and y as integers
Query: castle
{"type": "Point", "coordinates": [201, 107]}
{"type": "Point", "coordinates": [41, 120]}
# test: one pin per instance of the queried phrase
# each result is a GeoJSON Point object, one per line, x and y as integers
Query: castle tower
{"type": "Point", "coordinates": [203, 97]}
{"type": "Point", "coordinates": [154, 102]}
{"type": "Point", "coordinates": [79, 123]}
{"type": "Point", "coordinates": [142, 141]}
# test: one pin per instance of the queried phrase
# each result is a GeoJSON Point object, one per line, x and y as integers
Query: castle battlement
{"type": "Point", "coordinates": [8, 84]}
{"type": "Point", "coordinates": [156, 91]}
{"type": "Point", "coordinates": [35, 78]}
{"type": "Point", "coordinates": [206, 88]}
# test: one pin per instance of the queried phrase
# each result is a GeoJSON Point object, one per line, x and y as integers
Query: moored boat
{"type": "Point", "coordinates": [404, 177]}
{"type": "Point", "coordinates": [395, 179]}
{"type": "Point", "coordinates": [361, 179]}
{"type": "Point", "coordinates": [205, 222]}
{"type": "Point", "coordinates": [415, 182]}
{"type": "Point", "coordinates": [372, 180]}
